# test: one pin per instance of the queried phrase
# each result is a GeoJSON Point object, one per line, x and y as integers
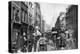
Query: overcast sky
{"type": "Point", "coordinates": [51, 11]}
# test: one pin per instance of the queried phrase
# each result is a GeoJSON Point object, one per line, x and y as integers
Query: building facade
{"type": "Point", "coordinates": [72, 22]}
{"type": "Point", "coordinates": [19, 22]}
{"type": "Point", "coordinates": [68, 23]}
{"type": "Point", "coordinates": [61, 22]}
{"type": "Point", "coordinates": [37, 13]}
{"type": "Point", "coordinates": [43, 26]}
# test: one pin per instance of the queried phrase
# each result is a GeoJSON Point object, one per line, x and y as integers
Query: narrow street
{"type": "Point", "coordinates": [36, 27]}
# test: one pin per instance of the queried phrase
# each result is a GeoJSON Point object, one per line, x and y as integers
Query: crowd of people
{"type": "Point", "coordinates": [47, 41]}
